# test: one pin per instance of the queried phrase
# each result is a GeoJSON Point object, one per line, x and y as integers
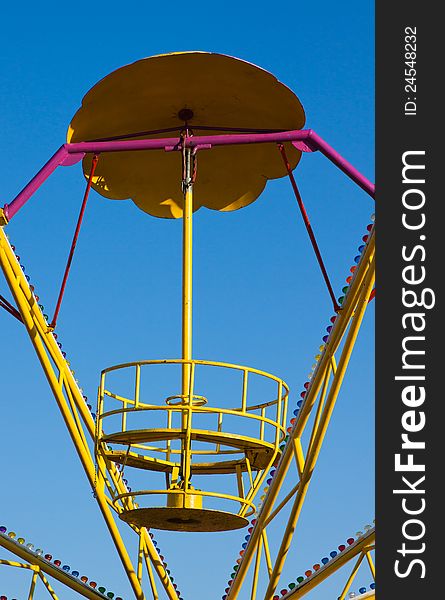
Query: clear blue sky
{"type": "Point", "coordinates": [259, 296]}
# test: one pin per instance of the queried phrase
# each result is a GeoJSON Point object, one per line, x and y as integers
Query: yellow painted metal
{"type": "Point", "coordinates": [32, 588]}
{"type": "Point", "coordinates": [46, 583]}
{"type": "Point", "coordinates": [148, 566]}
{"type": "Point", "coordinates": [350, 316]}
{"type": "Point", "coordinates": [315, 447]}
{"type": "Point", "coordinates": [351, 577]}
{"type": "Point", "coordinates": [49, 354]}
{"type": "Point", "coordinates": [38, 563]}
{"type": "Point", "coordinates": [370, 563]}
{"type": "Point", "coordinates": [257, 569]}
{"type": "Point", "coordinates": [140, 446]}
{"type": "Point", "coordinates": [355, 550]}
{"type": "Point", "coordinates": [188, 369]}
{"type": "Point", "coordinates": [36, 573]}
{"type": "Point", "coordinates": [3, 219]}
{"type": "Point", "coordinates": [148, 95]}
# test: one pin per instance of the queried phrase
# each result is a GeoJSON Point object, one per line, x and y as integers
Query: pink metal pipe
{"type": "Point", "coordinates": [68, 154]}
{"type": "Point", "coordinates": [57, 159]}
{"type": "Point", "coordinates": [315, 140]}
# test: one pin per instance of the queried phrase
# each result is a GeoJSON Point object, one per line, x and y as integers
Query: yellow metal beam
{"type": "Point", "coordinates": [356, 549]}
{"type": "Point", "coordinates": [351, 577]}
{"type": "Point", "coordinates": [320, 433]}
{"type": "Point", "coordinates": [351, 316]}
{"type": "Point", "coordinates": [36, 561]}
{"type": "Point", "coordinates": [49, 355]}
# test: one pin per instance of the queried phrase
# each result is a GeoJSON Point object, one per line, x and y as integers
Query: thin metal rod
{"type": "Point", "coordinates": [308, 226]}
{"type": "Point", "coordinates": [46, 583]}
{"type": "Point", "coordinates": [351, 577]}
{"type": "Point", "coordinates": [257, 569]}
{"type": "Point", "coordinates": [74, 242]}
{"type": "Point", "coordinates": [10, 308]}
{"type": "Point", "coordinates": [34, 578]}
{"type": "Point", "coordinates": [370, 563]}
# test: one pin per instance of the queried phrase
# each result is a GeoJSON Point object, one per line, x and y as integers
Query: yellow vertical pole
{"type": "Point", "coordinates": [370, 563]}
{"type": "Point", "coordinates": [33, 583]}
{"type": "Point", "coordinates": [187, 286]}
{"type": "Point", "coordinates": [351, 577]}
{"type": "Point", "coordinates": [257, 569]}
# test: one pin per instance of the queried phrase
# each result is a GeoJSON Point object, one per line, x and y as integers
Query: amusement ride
{"type": "Point", "coordinates": [164, 132]}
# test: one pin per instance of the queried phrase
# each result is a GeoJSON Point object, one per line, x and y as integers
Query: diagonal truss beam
{"type": "Point", "coordinates": [40, 565]}
{"type": "Point", "coordinates": [342, 340]}
{"type": "Point", "coordinates": [358, 549]}
{"type": "Point", "coordinates": [77, 418]}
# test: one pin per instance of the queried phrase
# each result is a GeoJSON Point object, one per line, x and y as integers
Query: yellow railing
{"type": "Point", "coordinates": [195, 404]}
{"type": "Point", "coordinates": [248, 448]}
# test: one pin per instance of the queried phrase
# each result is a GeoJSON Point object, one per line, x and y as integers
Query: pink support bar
{"type": "Point", "coordinates": [68, 154]}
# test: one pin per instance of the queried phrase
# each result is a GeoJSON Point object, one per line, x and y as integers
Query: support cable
{"type": "Point", "coordinates": [74, 242]}
{"type": "Point", "coordinates": [308, 227]}
{"type": "Point", "coordinates": [10, 308]}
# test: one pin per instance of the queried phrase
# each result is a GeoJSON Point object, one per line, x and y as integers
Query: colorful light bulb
{"type": "Point", "coordinates": [66, 568]}
{"type": "Point", "coordinates": [21, 540]}
{"type": "Point", "coordinates": [12, 534]}
{"type": "Point", "coordinates": [75, 573]}
{"type": "Point", "coordinates": [102, 590]}
{"type": "Point", "coordinates": [325, 560]}
{"type": "Point", "coordinates": [308, 573]}
{"type": "Point", "coordinates": [362, 590]}
{"type": "Point", "coordinates": [300, 579]}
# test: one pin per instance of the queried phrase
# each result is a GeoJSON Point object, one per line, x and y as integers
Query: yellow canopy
{"type": "Point", "coordinates": [221, 92]}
